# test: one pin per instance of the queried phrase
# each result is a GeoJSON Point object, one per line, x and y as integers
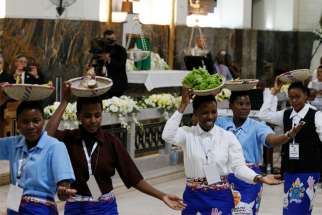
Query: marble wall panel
{"type": "Point", "coordinates": [159, 37]}
{"type": "Point", "coordinates": [60, 46]}
{"type": "Point", "coordinates": [279, 51]}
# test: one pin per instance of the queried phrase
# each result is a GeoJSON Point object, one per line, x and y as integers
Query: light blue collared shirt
{"type": "Point", "coordinates": [251, 135]}
{"type": "Point", "coordinates": [44, 165]}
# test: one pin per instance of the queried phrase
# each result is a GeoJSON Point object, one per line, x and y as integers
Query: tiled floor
{"type": "Point", "coordinates": [136, 203]}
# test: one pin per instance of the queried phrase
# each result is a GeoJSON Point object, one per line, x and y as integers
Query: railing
{"type": "Point", "coordinates": [143, 140]}
{"type": "Point", "coordinates": [148, 138]}
{"type": "Point", "coordinates": [118, 131]}
{"type": "Point", "coordinates": [139, 140]}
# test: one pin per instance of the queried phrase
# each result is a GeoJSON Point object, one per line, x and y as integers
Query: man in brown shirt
{"type": "Point", "coordinates": [95, 154]}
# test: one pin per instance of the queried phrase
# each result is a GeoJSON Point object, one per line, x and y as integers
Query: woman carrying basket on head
{"type": "Point", "coordinates": [95, 155]}
{"type": "Point", "coordinates": [301, 154]}
{"type": "Point", "coordinates": [209, 153]}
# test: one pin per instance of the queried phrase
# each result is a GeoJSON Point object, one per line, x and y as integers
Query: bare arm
{"type": "Point", "coordinates": [172, 133]}
{"type": "Point", "coordinates": [54, 121]}
{"type": "Point", "coordinates": [275, 140]}
{"type": "Point", "coordinates": [64, 191]}
{"type": "Point", "coordinates": [171, 201]}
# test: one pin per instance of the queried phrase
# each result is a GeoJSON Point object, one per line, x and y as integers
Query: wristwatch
{"type": "Point", "coordinates": [288, 135]}
{"type": "Point", "coordinates": [258, 178]}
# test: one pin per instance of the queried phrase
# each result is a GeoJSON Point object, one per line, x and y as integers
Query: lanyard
{"type": "Point", "coordinates": [21, 164]}
{"type": "Point", "coordinates": [89, 157]}
{"type": "Point", "coordinates": [295, 121]}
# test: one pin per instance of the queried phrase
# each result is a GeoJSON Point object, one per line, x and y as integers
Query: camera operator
{"type": "Point", "coordinates": [109, 59]}
{"type": "Point", "coordinates": [26, 71]}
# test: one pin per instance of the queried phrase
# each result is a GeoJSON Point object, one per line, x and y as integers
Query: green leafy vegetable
{"type": "Point", "coordinates": [200, 79]}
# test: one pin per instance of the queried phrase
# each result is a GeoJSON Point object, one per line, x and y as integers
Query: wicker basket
{"type": "Point", "coordinates": [241, 84]}
{"type": "Point", "coordinates": [294, 76]}
{"type": "Point", "coordinates": [103, 85]}
{"type": "Point", "coordinates": [28, 92]}
{"type": "Point", "coordinates": [213, 91]}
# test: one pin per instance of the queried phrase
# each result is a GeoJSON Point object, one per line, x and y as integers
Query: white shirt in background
{"type": "Point", "coordinates": [221, 147]}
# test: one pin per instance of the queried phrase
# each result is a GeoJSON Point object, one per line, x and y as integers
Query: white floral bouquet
{"type": "Point", "coordinates": [123, 107]}
{"type": "Point", "coordinates": [130, 65]}
{"type": "Point", "coordinates": [157, 63]}
{"type": "Point", "coordinates": [166, 102]}
{"type": "Point", "coordinates": [69, 114]}
{"type": "Point", "coordinates": [223, 95]}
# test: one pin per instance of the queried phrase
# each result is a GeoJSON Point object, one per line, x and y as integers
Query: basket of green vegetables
{"type": "Point", "coordinates": [202, 83]}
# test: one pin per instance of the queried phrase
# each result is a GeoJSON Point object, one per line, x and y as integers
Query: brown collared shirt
{"type": "Point", "coordinates": [108, 156]}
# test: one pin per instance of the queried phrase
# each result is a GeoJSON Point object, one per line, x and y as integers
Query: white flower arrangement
{"type": "Point", "coordinates": [165, 102]}
{"type": "Point", "coordinates": [223, 95]}
{"type": "Point", "coordinates": [157, 63]}
{"type": "Point", "coordinates": [284, 88]}
{"type": "Point", "coordinates": [69, 114]}
{"type": "Point", "coordinates": [130, 65]}
{"type": "Point", "coordinates": [124, 107]}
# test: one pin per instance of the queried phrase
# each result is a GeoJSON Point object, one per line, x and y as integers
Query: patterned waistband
{"type": "Point", "coordinates": [201, 183]}
{"type": "Point", "coordinates": [251, 165]}
{"type": "Point", "coordinates": [105, 197]}
{"type": "Point", "coordinates": [36, 200]}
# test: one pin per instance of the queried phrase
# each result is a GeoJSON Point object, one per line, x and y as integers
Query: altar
{"type": "Point", "coordinates": [157, 78]}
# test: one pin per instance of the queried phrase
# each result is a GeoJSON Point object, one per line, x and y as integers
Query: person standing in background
{"type": "Point", "coordinates": [220, 66]}
{"type": "Point", "coordinates": [199, 56]}
{"type": "Point", "coordinates": [234, 70]}
{"type": "Point", "coordinates": [25, 71]}
{"type": "Point", "coordinates": [115, 63]}
{"type": "Point", "coordinates": [314, 74]}
{"type": "Point", "coordinates": [315, 87]}
{"type": "Point", "coordinates": [4, 75]}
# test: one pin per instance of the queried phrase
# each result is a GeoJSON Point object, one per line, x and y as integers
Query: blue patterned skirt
{"type": "Point", "coordinates": [208, 199]}
{"type": "Point", "coordinates": [33, 208]}
{"type": "Point", "coordinates": [105, 206]}
{"type": "Point", "coordinates": [299, 192]}
{"type": "Point", "coordinates": [247, 196]}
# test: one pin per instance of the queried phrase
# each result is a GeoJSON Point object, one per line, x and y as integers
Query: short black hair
{"type": "Point", "coordinates": [108, 32]}
{"type": "Point", "coordinates": [301, 86]}
{"type": "Point", "coordinates": [88, 100]}
{"type": "Point", "coordinates": [320, 67]}
{"type": "Point", "coordinates": [235, 94]}
{"type": "Point", "coordinates": [29, 105]}
{"type": "Point", "coordinates": [199, 100]}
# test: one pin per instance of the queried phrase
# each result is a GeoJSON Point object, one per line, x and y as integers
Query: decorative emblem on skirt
{"type": "Point", "coordinates": [296, 192]}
